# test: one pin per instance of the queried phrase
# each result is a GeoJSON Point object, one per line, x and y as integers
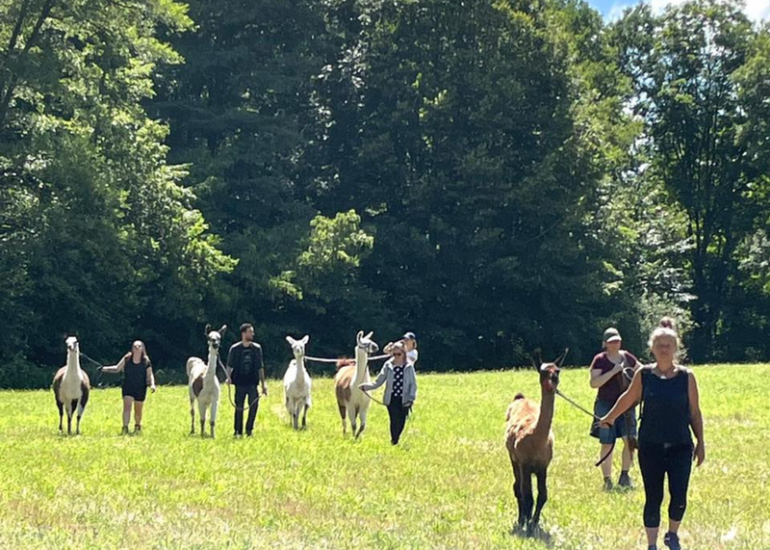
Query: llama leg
{"type": "Point", "coordinates": [214, 407]}
{"type": "Point", "coordinates": [343, 414]}
{"type": "Point", "coordinates": [304, 416]}
{"type": "Point", "coordinates": [80, 415]}
{"type": "Point", "coordinates": [528, 500]}
{"type": "Point", "coordinates": [60, 406]}
{"type": "Point", "coordinates": [542, 496]}
{"type": "Point", "coordinates": [352, 419]}
{"type": "Point", "coordinates": [192, 417]}
{"type": "Point", "coordinates": [202, 411]}
{"type": "Point", "coordinates": [70, 413]}
{"type": "Point", "coordinates": [362, 416]}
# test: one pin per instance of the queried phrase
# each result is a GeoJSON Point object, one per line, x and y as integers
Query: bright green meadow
{"type": "Point", "coordinates": [447, 486]}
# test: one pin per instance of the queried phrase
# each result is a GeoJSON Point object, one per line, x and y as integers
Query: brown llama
{"type": "Point", "coordinates": [529, 440]}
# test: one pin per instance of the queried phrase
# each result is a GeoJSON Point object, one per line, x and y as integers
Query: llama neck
{"type": "Point", "coordinates": [300, 381]}
{"type": "Point", "coordinates": [211, 371]}
{"type": "Point", "coordinates": [362, 365]}
{"type": "Point", "coordinates": [73, 364]}
{"type": "Point", "coordinates": [544, 421]}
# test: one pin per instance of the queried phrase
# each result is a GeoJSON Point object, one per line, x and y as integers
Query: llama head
{"type": "Point", "coordinates": [366, 343]}
{"type": "Point", "coordinates": [549, 372]}
{"type": "Point", "coordinates": [298, 346]}
{"type": "Point", "coordinates": [214, 337]}
{"type": "Point", "coordinates": [72, 343]}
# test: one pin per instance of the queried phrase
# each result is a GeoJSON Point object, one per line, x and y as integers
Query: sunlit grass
{"type": "Point", "coordinates": [447, 486]}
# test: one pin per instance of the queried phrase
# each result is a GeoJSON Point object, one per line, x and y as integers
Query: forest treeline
{"type": "Point", "coordinates": [495, 175]}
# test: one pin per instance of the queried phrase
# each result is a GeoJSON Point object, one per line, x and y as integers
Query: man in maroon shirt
{"type": "Point", "coordinates": [608, 370]}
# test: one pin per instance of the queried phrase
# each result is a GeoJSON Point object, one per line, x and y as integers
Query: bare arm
{"type": "Point", "coordinates": [150, 378]}
{"type": "Point", "coordinates": [113, 369]}
{"type": "Point", "coordinates": [261, 371]}
{"type": "Point", "coordinates": [626, 400]}
{"type": "Point", "coordinates": [598, 378]}
{"type": "Point", "coordinates": [696, 418]}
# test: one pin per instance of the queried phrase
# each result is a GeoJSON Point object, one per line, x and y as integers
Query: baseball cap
{"type": "Point", "coordinates": [611, 335]}
{"type": "Point", "coordinates": [409, 336]}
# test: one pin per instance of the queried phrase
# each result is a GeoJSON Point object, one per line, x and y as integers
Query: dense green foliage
{"type": "Point", "coordinates": [495, 175]}
{"type": "Point", "coordinates": [448, 485]}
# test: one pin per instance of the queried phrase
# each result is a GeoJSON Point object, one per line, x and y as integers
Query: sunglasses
{"type": "Point", "coordinates": [398, 355]}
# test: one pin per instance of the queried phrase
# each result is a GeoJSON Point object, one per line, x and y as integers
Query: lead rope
{"type": "Point", "coordinates": [592, 415]}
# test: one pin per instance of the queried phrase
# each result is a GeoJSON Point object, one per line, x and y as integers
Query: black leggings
{"type": "Point", "coordinates": [398, 414]}
{"type": "Point", "coordinates": [655, 461]}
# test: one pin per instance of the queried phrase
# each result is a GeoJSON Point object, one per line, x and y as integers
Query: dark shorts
{"type": "Point", "coordinates": [137, 393]}
{"type": "Point", "coordinates": [621, 427]}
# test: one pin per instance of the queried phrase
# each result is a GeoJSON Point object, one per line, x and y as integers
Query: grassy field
{"type": "Point", "coordinates": [447, 486]}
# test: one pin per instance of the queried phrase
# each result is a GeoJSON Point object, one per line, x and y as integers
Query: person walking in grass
{"type": "Point", "coordinates": [137, 377]}
{"type": "Point", "coordinates": [670, 410]}
{"type": "Point", "coordinates": [611, 372]}
{"type": "Point", "coordinates": [245, 367]}
{"type": "Point", "coordinates": [400, 389]}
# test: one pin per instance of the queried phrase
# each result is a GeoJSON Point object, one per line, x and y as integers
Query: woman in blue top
{"type": "Point", "coordinates": [400, 389]}
{"type": "Point", "coordinates": [670, 408]}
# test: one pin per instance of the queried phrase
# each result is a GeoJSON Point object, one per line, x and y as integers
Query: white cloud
{"type": "Point", "coordinates": [757, 10]}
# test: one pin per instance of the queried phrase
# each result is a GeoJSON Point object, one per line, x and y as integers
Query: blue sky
{"type": "Point", "coordinates": [611, 9]}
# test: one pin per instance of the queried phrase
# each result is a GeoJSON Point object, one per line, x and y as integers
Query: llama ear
{"type": "Point", "coordinates": [222, 330]}
{"type": "Point", "coordinates": [537, 359]}
{"type": "Point", "coordinates": [561, 358]}
{"type": "Point", "coordinates": [369, 336]}
{"type": "Point", "coordinates": [290, 340]}
{"type": "Point", "coordinates": [359, 336]}
{"type": "Point", "coordinates": [207, 330]}
{"type": "Point", "coordinates": [305, 340]}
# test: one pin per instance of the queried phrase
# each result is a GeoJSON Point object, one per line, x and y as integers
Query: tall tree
{"type": "Point", "coordinates": [110, 241]}
{"type": "Point", "coordinates": [453, 123]}
{"type": "Point", "coordinates": [688, 67]}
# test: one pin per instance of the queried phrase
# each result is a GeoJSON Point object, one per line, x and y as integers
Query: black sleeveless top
{"type": "Point", "coordinates": [135, 374]}
{"type": "Point", "coordinates": [665, 409]}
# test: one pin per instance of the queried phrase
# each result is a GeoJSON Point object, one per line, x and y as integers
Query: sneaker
{"type": "Point", "coordinates": [124, 431]}
{"type": "Point", "coordinates": [672, 541]}
{"type": "Point", "coordinates": [607, 484]}
{"type": "Point", "coordinates": [652, 547]}
{"type": "Point", "coordinates": [625, 481]}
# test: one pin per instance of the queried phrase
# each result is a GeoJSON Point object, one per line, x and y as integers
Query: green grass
{"type": "Point", "coordinates": [447, 486]}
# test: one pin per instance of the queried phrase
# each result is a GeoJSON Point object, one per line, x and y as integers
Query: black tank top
{"type": "Point", "coordinates": [135, 374]}
{"type": "Point", "coordinates": [665, 409]}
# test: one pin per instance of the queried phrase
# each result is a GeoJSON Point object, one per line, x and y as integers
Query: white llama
{"type": "Point", "coordinates": [71, 386]}
{"type": "Point", "coordinates": [351, 400]}
{"type": "Point", "coordinates": [297, 383]}
{"type": "Point", "coordinates": [203, 382]}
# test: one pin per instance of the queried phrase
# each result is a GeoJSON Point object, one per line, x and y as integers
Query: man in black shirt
{"type": "Point", "coordinates": [245, 367]}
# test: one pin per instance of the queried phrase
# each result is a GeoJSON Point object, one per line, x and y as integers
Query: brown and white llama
{"type": "Point", "coordinates": [203, 383]}
{"type": "Point", "coordinates": [71, 387]}
{"type": "Point", "coordinates": [529, 439]}
{"type": "Point", "coordinates": [351, 400]}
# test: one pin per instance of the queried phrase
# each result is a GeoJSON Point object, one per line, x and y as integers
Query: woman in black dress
{"type": "Point", "coordinates": [137, 376]}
